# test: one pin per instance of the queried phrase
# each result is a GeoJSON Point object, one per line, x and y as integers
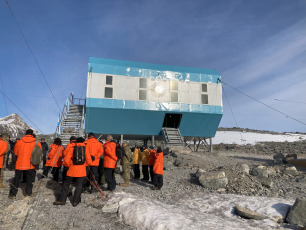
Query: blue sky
{"type": "Point", "coordinates": [257, 46]}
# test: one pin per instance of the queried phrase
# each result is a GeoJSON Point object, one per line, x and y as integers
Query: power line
{"type": "Point", "coordinates": [263, 103]}
{"type": "Point", "coordinates": [232, 112]}
{"type": "Point", "coordinates": [4, 95]}
{"type": "Point", "coordinates": [32, 53]}
{"type": "Point", "coordinates": [21, 111]}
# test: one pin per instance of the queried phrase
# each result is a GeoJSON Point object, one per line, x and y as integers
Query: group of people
{"type": "Point", "coordinates": [86, 163]}
{"type": "Point", "coordinates": [152, 165]}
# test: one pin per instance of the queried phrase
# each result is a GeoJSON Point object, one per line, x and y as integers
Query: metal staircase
{"type": "Point", "coordinates": [71, 121]}
{"type": "Point", "coordinates": [172, 136]}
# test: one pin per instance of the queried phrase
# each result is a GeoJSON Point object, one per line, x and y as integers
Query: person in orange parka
{"type": "Point", "coordinates": [151, 162]}
{"type": "Point", "coordinates": [95, 149]}
{"type": "Point", "coordinates": [23, 150]}
{"type": "Point", "coordinates": [110, 162]}
{"type": "Point", "coordinates": [158, 169]}
{"type": "Point", "coordinates": [67, 149]}
{"type": "Point", "coordinates": [54, 159]}
{"type": "Point", "coordinates": [76, 172]}
{"type": "Point", "coordinates": [3, 150]}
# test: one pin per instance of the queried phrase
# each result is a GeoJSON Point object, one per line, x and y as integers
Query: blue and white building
{"type": "Point", "coordinates": [140, 99]}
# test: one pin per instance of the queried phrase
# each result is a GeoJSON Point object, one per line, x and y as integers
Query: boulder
{"type": "Point", "coordinates": [297, 213]}
{"type": "Point", "coordinates": [243, 167]}
{"type": "Point", "coordinates": [271, 171]}
{"type": "Point", "coordinates": [199, 172]}
{"type": "Point", "coordinates": [265, 181]}
{"type": "Point", "coordinates": [178, 162]}
{"type": "Point", "coordinates": [213, 180]}
{"type": "Point", "coordinates": [249, 214]}
{"type": "Point", "coordinates": [260, 171]}
{"type": "Point", "coordinates": [279, 158]}
{"type": "Point", "coordinates": [291, 171]}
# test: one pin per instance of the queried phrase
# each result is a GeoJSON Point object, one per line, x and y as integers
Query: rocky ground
{"type": "Point", "coordinates": [181, 177]}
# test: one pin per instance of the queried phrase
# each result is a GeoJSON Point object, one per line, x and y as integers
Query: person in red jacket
{"type": "Point", "coordinates": [95, 150]}
{"type": "Point", "coordinates": [67, 149]}
{"type": "Point", "coordinates": [54, 159]}
{"type": "Point", "coordinates": [158, 169]}
{"type": "Point", "coordinates": [151, 162]}
{"type": "Point", "coordinates": [110, 162]}
{"type": "Point", "coordinates": [23, 150]}
{"type": "Point", "coordinates": [76, 172]}
{"type": "Point", "coordinates": [3, 150]}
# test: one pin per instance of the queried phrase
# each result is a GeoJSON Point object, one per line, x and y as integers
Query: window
{"type": "Point", "coordinates": [204, 98]}
{"type": "Point", "coordinates": [142, 95]}
{"type": "Point", "coordinates": [174, 90]}
{"type": "Point", "coordinates": [142, 89]}
{"type": "Point", "coordinates": [142, 83]}
{"type": "Point", "coordinates": [174, 96]}
{"type": "Point", "coordinates": [174, 85]}
{"type": "Point", "coordinates": [108, 92]}
{"type": "Point", "coordinates": [204, 88]}
{"type": "Point", "coordinates": [109, 80]}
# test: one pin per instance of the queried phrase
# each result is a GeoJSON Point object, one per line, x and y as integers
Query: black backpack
{"type": "Point", "coordinates": [78, 155]}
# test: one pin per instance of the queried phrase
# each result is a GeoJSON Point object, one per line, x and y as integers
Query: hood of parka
{"type": "Point", "coordinates": [28, 139]}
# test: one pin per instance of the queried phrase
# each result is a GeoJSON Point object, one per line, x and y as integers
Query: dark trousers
{"type": "Point", "coordinates": [136, 171]}
{"type": "Point", "coordinates": [64, 173]}
{"type": "Point", "coordinates": [13, 162]}
{"type": "Point", "coordinates": [145, 172]}
{"type": "Point", "coordinates": [29, 174]}
{"type": "Point", "coordinates": [79, 181]}
{"type": "Point", "coordinates": [92, 174]}
{"type": "Point", "coordinates": [158, 180]}
{"type": "Point", "coordinates": [151, 172]}
{"type": "Point", "coordinates": [44, 160]}
{"type": "Point", "coordinates": [101, 172]}
{"type": "Point", "coordinates": [110, 178]}
{"type": "Point", "coordinates": [55, 172]}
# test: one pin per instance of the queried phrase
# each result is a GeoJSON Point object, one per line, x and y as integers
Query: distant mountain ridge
{"type": "Point", "coordinates": [14, 125]}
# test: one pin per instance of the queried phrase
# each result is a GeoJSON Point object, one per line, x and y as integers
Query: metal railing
{"type": "Point", "coordinates": [71, 100]}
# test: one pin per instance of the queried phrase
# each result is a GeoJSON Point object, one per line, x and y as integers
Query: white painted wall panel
{"type": "Point", "coordinates": [158, 90]}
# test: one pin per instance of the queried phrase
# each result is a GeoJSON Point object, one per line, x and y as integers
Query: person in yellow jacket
{"type": "Point", "coordinates": [145, 163]}
{"type": "Point", "coordinates": [136, 160]}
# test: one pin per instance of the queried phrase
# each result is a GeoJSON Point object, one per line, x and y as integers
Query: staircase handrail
{"type": "Point", "coordinates": [69, 101]}
{"type": "Point", "coordinates": [81, 101]}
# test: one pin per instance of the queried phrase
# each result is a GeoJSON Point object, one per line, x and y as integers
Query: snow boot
{"type": "Point", "coordinates": [125, 184]}
{"type": "Point", "coordinates": [1, 182]}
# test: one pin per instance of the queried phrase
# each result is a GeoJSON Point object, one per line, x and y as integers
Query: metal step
{"type": "Point", "coordinates": [172, 136]}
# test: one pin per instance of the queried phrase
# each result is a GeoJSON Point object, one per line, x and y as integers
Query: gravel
{"type": "Point", "coordinates": [38, 212]}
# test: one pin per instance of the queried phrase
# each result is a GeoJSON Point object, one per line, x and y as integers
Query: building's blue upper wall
{"type": "Point", "coordinates": [137, 69]}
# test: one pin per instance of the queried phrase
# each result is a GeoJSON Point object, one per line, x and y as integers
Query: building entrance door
{"type": "Point", "coordinates": [172, 120]}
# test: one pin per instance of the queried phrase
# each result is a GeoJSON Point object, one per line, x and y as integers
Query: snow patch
{"type": "Point", "coordinates": [4, 122]}
{"type": "Point", "coordinates": [198, 211]}
{"type": "Point", "coordinates": [243, 138]}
